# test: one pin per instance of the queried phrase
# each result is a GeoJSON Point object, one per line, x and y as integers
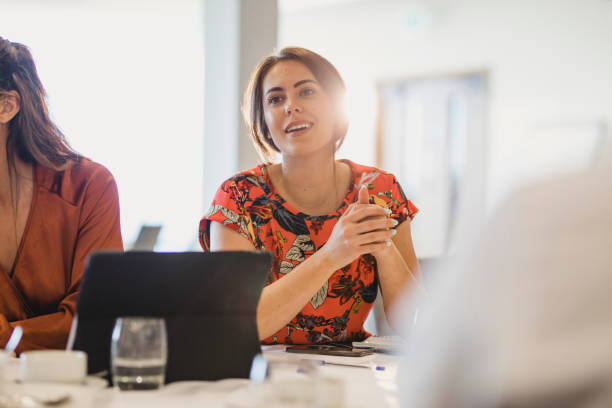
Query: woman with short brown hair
{"type": "Point", "coordinates": [337, 229]}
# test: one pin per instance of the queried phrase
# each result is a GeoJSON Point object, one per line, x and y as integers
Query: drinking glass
{"type": "Point", "coordinates": [292, 382]}
{"type": "Point", "coordinates": [138, 353]}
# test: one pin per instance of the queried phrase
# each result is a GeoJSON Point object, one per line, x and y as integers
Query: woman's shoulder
{"type": "Point", "coordinates": [370, 176]}
{"type": "Point", "coordinates": [86, 170]}
{"type": "Point", "coordinates": [78, 178]}
{"type": "Point", "coordinates": [251, 180]}
{"type": "Point", "coordinates": [384, 189]}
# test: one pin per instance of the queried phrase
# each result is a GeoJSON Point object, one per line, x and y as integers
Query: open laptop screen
{"type": "Point", "coordinates": [208, 300]}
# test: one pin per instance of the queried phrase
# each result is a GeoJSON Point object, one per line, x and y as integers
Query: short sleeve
{"type": "Point", "coordinates": [228, 210]}
{"type": "Point", "coordinates": [389, 194]}
{"type": "Point", "coordinates": [406, 208]}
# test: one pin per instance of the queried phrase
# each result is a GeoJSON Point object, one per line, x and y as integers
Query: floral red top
{"type": "Point", "coordinates": [249, 204]}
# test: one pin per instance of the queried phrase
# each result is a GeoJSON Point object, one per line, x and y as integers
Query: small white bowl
{"type": "Point", "coordinates": [53, 366]}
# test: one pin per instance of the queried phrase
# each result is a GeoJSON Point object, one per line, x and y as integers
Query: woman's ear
{"type": "Point", "coordinates": [10, 103]}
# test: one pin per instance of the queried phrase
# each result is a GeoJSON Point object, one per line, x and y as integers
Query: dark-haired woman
{"type": "Point", "coordinates": [55, 209]}
{"type": "Point", "coordinates": [337, 229]}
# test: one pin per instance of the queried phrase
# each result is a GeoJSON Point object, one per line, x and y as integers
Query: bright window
{"type": "Point", "coordinates": [126, 85]}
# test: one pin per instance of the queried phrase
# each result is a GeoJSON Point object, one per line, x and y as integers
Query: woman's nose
{"type": "Point", "coordinates": [291, 107]}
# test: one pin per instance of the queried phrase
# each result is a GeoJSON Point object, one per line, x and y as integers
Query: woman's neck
{"type": "Point", "coordinates": [314, 185]}
{"type": "Point", "coordinates": [5, 187]}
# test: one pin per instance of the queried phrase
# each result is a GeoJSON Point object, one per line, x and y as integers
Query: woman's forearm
{"type": "Point", "coordinates": [396, 276]}
{"type": "Point", "coordinates": [361, 229]}
{"type": "Point", "coordinates": [282, 300]}
{"type": "Point", "coordinates": [40, 332]}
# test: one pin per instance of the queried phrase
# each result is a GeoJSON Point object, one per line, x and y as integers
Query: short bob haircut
{"type": "Point", "coordinates": [253, 110]}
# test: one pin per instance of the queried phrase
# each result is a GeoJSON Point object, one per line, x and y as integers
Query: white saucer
{"type": "Point", "coordinates": [78, 395]}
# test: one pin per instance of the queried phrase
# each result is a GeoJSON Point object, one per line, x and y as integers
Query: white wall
{"type": "Point", "coordinates": [238, 33]}
{"type": "Point", "coordinates": [125, 84]}
{"type": "Point", "coordinates": [549, 65]}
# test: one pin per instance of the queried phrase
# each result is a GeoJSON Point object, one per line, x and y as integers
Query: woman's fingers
{"type": "Point", "coordinates": [374, 237]}
{"type": "Point", "coordinates": [362, 211]}
{"type": "Point", "coordinates": [374, 224]}
{"type": "Point", "coordinates": [363, 228]}
{"type": "Point", "coordinates": [349, 209]}
{"type": "Point", "coordinates": [362, 196]}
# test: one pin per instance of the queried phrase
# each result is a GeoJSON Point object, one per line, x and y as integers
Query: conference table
{"type": "Point", "coordinates": [346, 382]}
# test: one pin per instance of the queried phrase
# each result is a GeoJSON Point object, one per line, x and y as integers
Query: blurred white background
{"type": "Point", "coordinates": [547, 69]}
{"type": "Point", "coordinates": [126, 84]}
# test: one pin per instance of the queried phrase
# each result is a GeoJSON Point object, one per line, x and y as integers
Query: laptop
{"type": "Point", "coordinates": [208, 301]}
{"type": "Point", "coordinates": [147, 238]}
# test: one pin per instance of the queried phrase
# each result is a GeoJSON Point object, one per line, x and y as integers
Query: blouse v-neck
{"type": "Point", "coordinates": [348, 197]}
{"type": "Point", "coordinates": [11, 273]}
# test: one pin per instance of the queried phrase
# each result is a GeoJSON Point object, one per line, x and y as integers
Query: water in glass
{"type": "Point", "coordinates": [138, 353]}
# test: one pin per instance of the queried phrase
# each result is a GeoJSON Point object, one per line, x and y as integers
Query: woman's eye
{"type": "Point", "coordinates": [307, 92]}
{"type": "Point", "coordinates": [272, 100]}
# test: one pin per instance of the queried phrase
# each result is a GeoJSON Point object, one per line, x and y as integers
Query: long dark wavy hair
{"type": "Point", "coordinates": [32, 136]}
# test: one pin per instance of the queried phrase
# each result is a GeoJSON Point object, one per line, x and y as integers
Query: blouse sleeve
{"type": "Point", "coordinates": [392, 197]}
{"type": "Point", "coordinates": [227, 208]}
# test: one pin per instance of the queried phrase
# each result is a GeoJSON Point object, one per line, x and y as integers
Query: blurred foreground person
{"type": "Point", "coordinates": [526, 319]}
{"type": "Point", "coordinates": [56, 207]}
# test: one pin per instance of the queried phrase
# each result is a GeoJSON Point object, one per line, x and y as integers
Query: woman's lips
{"type": "Point", "coordinates": [297, 127]}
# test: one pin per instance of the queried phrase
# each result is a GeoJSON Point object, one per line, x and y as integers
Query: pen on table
{"type": "Point", "coordinates": [377, 368]}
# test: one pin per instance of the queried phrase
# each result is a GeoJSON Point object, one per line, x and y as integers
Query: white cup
{"type": "Point", "coordinates": [4, 358]}
{"type": "Point", "coordinates": [53, 366]}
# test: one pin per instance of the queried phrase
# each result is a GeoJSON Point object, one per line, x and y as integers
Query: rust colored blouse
{"type": "Point", "coordinates": [249, 204]}
{"type": "Point", "coordinates": [73, 212]}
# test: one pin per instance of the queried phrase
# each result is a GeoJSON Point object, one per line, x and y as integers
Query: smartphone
{"type": "Point", "coordinates": [329, 350]}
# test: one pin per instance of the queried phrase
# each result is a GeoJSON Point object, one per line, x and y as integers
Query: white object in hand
{"type": "Point", "coordinates": [14, 340]}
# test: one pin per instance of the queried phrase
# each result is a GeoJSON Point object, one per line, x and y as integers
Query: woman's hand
{"type": "Point", "coordinates": [364, 228]}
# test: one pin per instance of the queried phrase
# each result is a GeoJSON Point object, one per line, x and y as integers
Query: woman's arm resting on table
{"type": "Point", "coordinates": [282, 300]}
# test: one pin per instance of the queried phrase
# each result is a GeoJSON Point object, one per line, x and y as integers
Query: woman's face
{"type": "Point", "coordinates": [298, 111]}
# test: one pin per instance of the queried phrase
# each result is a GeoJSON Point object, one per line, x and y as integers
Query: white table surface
{"type": "Point", "coordinates": [363, 386]}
